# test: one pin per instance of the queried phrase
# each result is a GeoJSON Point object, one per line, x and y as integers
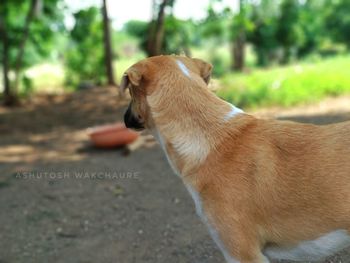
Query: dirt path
{"type": "Point", "coordinates": [135, 210]}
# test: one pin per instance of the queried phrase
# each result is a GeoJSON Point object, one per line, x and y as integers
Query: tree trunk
{"type": "Point", "coordinates": [5, 65]}
{"type": "Point", "coordinates": [239, 52]}
{"type": "Point", "coordinates": [107, 46]}
{"type": "Point", "coordinates": [151, 29]}
{"type": "Point", "coordinates": [156, 39]}
{"type": "Point", "coordinates": [9, 100]}
{"type": "Point", "coordinates": [18, 65]}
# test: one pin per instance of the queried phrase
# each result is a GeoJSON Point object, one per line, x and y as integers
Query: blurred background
{"type": "Point", "coordinates": [61, 61]}
{"type": "Point", "coordinates": [264, 52]}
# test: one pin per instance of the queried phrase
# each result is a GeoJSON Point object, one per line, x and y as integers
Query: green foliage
{"type": "Point", "coordinates": [294, 29]}
{"type": "Point", "coordinates": [312, 26]}
{"type": "Point", "coordinates": [263, 33]}
{"type": "Point", "coordinates": [220, 67]}
{"type": "Point", "coordinates": [216, 23]}
{"type": "Point", "coordinates": [241, 22]}
{"type": "Point", "coordinates": [275, 32]}
{"type": "Point", "coordinates": [27, 85]}
{"type": "Point", "coordinates": [289, 33]}
{"type": "Point", "coordinates": [139, 30]}
{"type": "Point", "coordinates": [136, 28]}
{"type": "Point", "coordinates": [338, 20]}
{"type": "Point", "coordinates": [84, 59]}
{"type": "Point", "coordinates": [44, 29]}
{"type": "Point", "coordinates": [179, 34]}
{"type": "Point", "coordinates": [288, 86]}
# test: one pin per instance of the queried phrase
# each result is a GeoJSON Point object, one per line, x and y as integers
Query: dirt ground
{"type": "Point", "coordinates": [62, 200]}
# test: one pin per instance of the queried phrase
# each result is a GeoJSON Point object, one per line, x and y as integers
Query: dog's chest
{"type": "Point", "coordinates": [198, 204]}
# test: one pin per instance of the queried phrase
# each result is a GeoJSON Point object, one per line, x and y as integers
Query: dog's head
{"type": "Point", "coordinates": [152, 83]}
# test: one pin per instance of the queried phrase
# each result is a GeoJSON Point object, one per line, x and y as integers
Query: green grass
{"type": "Point", "coordinates": [286, 86]}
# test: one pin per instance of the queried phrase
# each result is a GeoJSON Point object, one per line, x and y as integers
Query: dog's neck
{"type": "Point", "coordinates": [191, 126]}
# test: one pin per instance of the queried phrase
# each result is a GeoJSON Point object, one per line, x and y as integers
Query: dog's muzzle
{"type": "Point", "coordinates": [131, 121]}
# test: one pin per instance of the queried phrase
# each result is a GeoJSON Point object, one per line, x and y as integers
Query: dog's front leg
{"type": "Point", "coordinates": [239, 244]}
{"type": "Point", "coordinates": [234, 233]}
{"type": "Point", "coordinates": [254, 258]}
{"type": "Point", "coordinates": [237, 250]}
{"type": "Point", "coordinates": [244, 257]}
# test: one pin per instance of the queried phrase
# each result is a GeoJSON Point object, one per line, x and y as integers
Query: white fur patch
{"type": "Point", "coordinates": [188, 142]}
{"type": "Point", "coordinates": [316, 249]}
{"type": "Point", "coordinates": [191, 145]}
{"type": "Point", "coordinates": [183, 68]}
{"type": "Point", "coordinates": [233, 112]}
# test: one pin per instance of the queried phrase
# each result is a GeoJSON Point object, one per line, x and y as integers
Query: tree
{"type": "Point", "coordinates": [5, 56]}
{"type": "Point", "coordinates": [214, 31]}
{"type": "Point", "coordinates": [10, 95]}
{"type": "Point", "coordinates": [140, 30]}
{"type": "Point", "coordinates": [28, 29]}
{"type": "Point", "coordinates": [289, 33]}
{"type": "Point", "coordinates": [263, 32]}
{"type": "Point", "coordinates": [84, 59]}
{"type": "Point", "coordinates": [338, 21]}
{"type": "Point", "coordinates": [33, 8]}
{"type": "Point", "coordinates": [180, 34]}
{"type": "Point", "coordinates": [239, 38]}
{"type": "Point", "coordinates": [312, 26]}
{"type": "Point", "coordinates": [156, 28]}
{"type": "Point", "coordinates": [107, 45]}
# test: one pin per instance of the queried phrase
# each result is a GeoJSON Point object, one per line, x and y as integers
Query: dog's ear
{"type": "Point", "coordinates": [204, 68]}
{"type": "Point", "coordinates": [131, 76]}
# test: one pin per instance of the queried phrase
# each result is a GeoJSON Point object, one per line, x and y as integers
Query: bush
{"type": "Point", "coordinates": [84, 57]}
{"type": "Point", "coordinates": [288, 86]}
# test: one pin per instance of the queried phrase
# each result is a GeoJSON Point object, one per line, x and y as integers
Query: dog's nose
{"type": "Point", "coordinates": [131, 121]}
{"type": "Point", "coordinates": [127, 116]}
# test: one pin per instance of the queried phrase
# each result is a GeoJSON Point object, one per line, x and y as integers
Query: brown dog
{"type": "Point", "coordinates": [266, 189]}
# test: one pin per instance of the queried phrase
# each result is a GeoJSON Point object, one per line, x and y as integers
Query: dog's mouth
{"type": "Point", "coordinates": [132, 121]}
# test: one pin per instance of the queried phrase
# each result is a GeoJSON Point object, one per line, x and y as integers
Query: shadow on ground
{"type": "Point", "coordinates": [321, 119]}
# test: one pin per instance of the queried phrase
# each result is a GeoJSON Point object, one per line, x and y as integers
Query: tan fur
{"type": "Point", "coordinates": [261, 181]}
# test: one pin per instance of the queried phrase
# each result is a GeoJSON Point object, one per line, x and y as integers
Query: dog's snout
{"type": "Point", "coordinates": [131, 121]}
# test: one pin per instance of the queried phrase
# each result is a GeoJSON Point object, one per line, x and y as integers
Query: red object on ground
{"type": "Point", "coordinates": [112, 135]}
